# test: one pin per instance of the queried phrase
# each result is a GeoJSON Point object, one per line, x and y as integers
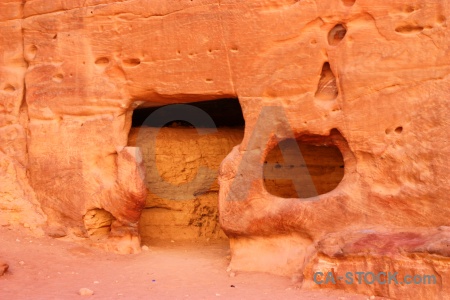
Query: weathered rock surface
{"type": "Point", "coordinates": [18, 204]}
{"type": "Point", "coordinates": [375, 74]}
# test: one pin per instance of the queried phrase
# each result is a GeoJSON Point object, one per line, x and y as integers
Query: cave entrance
{"type": "Point", "coordinates": [182, 148]}
{"type": "Point", "coordinates": [316, 169]}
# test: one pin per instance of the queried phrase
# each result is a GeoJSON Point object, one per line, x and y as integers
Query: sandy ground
{"type": "Point", "coordinates": [45, 268]}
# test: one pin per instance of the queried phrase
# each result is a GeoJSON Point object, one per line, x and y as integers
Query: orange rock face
{"type": "Point", "coordinates": [370, 79]}
{"type": "Point", "coordinates": [18, 204]}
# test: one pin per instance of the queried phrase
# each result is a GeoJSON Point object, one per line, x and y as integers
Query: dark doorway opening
{"type": "Point", "coordinates": [182, 149]}
{"type": "Point", "coordinates": [224, 113]}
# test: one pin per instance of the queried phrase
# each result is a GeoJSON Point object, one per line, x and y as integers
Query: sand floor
{"type": "Point", "coordinates": [45, 268]}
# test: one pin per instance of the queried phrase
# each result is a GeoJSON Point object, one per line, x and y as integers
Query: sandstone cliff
{"type": "Point", "coordinates": [368, 78]}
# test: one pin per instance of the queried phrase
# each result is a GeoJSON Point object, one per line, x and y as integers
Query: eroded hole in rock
{"type": "Point", "coordinates": [349, 2]}
{"type": "Point", "coordinates": [58, 78]}
{"type": "Point", "coordinates": [9, 88]}
{"type": "Point", "coordinates": [102, 61]}
{"type": "Point", "coordinates": [409, 29]}
{"type": "Point", "coordinates": [182, 200]}
{"type": "Point", "coordinates": [327, 88]}
{"type": "Point", "coordinates": [304, 167]}
{"type": "Point", "coordinates": [30, 52]}
{"type": "Point", "coordinates": [98, 223]}
{"type": "Point", "coordinates": [131, 62]}
{"type": "Point", "coordinates": [336, 34]}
